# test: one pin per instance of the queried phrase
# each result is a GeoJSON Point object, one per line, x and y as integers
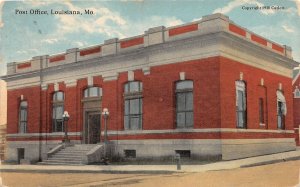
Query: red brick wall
{"type": "Point", "coordinates": [81, 85]}
{"type": "Point", "coordinates": [159, 97]}
{"type": "Point", "coordinates": [214, 98]}
{"type": "Point", "coordinates": [24, 65]}
{"type": "Point", "coordinates": [297, 112]}
{"type": "Point", "coordinates": [237, 30]}
{"type": "Point", "coordinates": [75, 104]}
{"type": "Point", "coordinates": [132, 42]}
{"type": "Point", "coordinates": [230, 71]}
{"type": "Point", "coordinates": [258, 39]}
{"type": "Point", "coordinates": [90, 51]}
{"type": "Point", "coordinates": [183, 29]}
{"type": "Point", "coordinates": [278, 48]}
{"type": "Point", "coordinates": [296, 105]}
{"type": "Point", "coordinates": [32, 96]}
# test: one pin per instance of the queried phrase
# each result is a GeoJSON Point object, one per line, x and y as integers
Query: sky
{"type": "Point", "coordinates": [23, 36]}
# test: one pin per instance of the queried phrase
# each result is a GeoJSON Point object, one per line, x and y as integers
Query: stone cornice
{"type": "Point", "coordinates": [255, 50]}
{"type": "Point", "coordinates": [192, 48]}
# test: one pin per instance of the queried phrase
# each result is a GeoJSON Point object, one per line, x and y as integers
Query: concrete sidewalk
{"type": "Point", "coordinates": [247, 162]}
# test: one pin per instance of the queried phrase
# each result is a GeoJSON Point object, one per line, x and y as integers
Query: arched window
{"type": "Point", "coordinates": [281, 110]}
{"type": "Point", "coordinates": [57, 112]}
{"type": "Point", "coordinates": [23, 117]}
{"type": "Point", "coordinates": [241, 106]}
{"type": "Point", "coordinates": [92, 92]}
{"type": "Point", "coordinates": [133, 104]}
{"type": "Point", "coordinates": [184, 104]}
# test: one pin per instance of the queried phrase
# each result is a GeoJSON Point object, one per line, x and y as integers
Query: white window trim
{"type": "Point", "coordinates": [295, 93]}
{"type": "Point", "coordinates": [281, 98]}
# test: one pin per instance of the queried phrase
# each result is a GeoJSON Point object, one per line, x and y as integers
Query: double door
{"type": "Point", "coordinates": [92, 127]}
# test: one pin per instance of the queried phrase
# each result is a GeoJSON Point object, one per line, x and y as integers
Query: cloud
{"type": "Point", "coordinates": [197, 19]}
{"type": "Point", "coordinates": [296, 55]}
{"type": "Point", "coordinates": [1, 7]}
{"type": "Point", "coordinates": [100, 23]}
{"type": "Point", "coordinates": [139, 1]}
{"type": "Point", "coordinates": [288, 29]}
{"type": "Point", "coordinates": [50, 40]}
{"type": "Point", "coordinates": [105, 23]}
{"type": "Point", "coordinates": [290, 11]}
{"type": "Point", "coordinates": [38, 3]}
{"type": "Point", "coordinates": [298, 6]}
{"type": "Point", "coordinates": [109, 23]}
{"type": "Point", "coordinates": [80, 44]}
{"type": "Point", "coordinates": [22, 52]}
{"type": "Point", "coordinates": [166, 21]}
{"type": "Point", "coordinates": [229, 7]}
{"type": "Point", "coordinates": [274, 32]}
{"type": "Point", "coordinates": [28, 51]}
{"type": "Point", "coordinates": [69, 24]}
{"type": "Point", "coordinates": [238, 3]}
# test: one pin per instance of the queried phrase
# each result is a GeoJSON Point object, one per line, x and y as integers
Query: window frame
{"type": "Point", "coordinates": [179, 109]}
{"type": "Point", "coordinates": [296, 92]}
{"type": "Point", "coordinates": [261, 110]}
{"type": "Point", "coordinates": [129, 97]}
{"type": "Point", "coordinates": [280, 114]}
{"type": "Point", "coordinates": [241, 87]}
{"type": "Point", "coordinates": [88, 91]}
{"type": "Point", "coordinates": [21, 122]}
{"type": "Point", "coordinates": [57, 103]}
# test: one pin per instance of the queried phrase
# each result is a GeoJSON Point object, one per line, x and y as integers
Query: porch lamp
{"type": "Point", "coordinates": [105, 115]}
{"type": "Point", "coordinates": [66, 117]}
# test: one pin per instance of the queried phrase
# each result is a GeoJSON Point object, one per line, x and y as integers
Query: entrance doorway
{"type": "Point", "coordinates": [93, 127]}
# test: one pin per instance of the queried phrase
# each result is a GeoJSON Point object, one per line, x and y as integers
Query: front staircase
{"type": "Point", "coordinates": [72, 155]}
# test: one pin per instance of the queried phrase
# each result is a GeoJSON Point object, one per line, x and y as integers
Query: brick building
{"type": "Point", "coordinates": [3, 110]}
{"type": "Point", "coordinates": [296, 94]}
{"type": "Point", "coordinates": [209, 88]}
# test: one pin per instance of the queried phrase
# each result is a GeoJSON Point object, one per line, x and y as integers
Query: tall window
{"type": "Point", "coordinates": [23, 117]}
{"type": "Point", "coordinates": [241, 107]}
{"type": "Point", "coordinates": [184, 104]}
{"type": "Point", "coordinates": [58, 110]}
{"type": "Point", "coordinates": [281, 110]}
{"type": "Point", "coordinates": [133, 105]}
{"type": "Point", "coordinates": [93, 92]}
{"type": "Point", "coordinates": [261, 111]}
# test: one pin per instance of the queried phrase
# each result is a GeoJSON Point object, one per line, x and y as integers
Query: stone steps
{"type": "Point", "coordinates": [73, 155]}
{"type": "Point", "coordinates": [68, 155]}
{"type": "Point", "coordinates": [65, 158]}
{"type": "Point", "coordinates": [60, 163]}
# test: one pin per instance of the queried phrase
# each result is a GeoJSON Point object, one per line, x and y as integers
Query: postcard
{"type": "Point", "coordinates": [145, 92]}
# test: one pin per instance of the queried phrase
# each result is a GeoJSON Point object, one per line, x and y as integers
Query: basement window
{"type": "Point", "coordinates": [129, 153]}
{"type": "Point", "coordinates": [184, 153]}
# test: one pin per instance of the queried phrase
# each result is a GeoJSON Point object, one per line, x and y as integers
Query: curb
{"type": "Point", "coordinates": [270, 162]}
{"type": "Point", "coordinates": [156, 169]}
{"type": "Point", "coordinates": [92, 171]}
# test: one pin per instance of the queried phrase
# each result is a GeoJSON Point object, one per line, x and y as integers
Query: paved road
{"type": "Point", "coordinates": [279, 174]}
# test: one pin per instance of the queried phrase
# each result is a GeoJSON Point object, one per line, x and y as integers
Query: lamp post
{"type": "Point", "coordinates": [105, 115]}
{"type": "Point", "coordinates": [66, 117]}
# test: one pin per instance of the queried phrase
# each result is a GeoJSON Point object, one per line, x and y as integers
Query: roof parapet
{"type": "Point", "coordinates": [153, 36]}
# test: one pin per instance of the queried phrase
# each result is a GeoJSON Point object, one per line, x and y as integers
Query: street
{"type": "Point", "coordinates": [278, 174]}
